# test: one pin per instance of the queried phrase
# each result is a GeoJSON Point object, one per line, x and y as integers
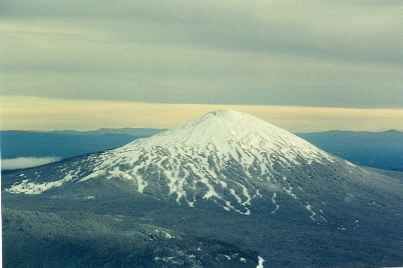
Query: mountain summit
{"type": "Point", "coordinates": [232, 177]}
{"type": "Point", "coordinates": [230, 133]}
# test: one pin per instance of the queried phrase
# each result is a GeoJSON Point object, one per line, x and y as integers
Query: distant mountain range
{"type": "Point", "coordinates": [66, 143]}
{"type": "Point", "coordinates": [136, 132]}
{"type": "Point", "coordinates": [224, 190]}
{"type": "Point", "coordinates": [382, 150]}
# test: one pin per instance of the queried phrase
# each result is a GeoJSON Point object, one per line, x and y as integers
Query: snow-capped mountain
{"type": "Point", "coordinates": [232, 177]}
{"type": "Point", "coordinates": [226, 157]}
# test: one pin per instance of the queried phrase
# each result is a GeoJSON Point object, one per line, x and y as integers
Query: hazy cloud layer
{"type": "Point", "coordinates": [26, 162]}
{"type": "Point", "coordinates": [32, 113]}
{"type": "Point", "coordinates": [305, 53]}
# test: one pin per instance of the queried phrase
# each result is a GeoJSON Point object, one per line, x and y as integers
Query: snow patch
{"type": "Point", "coordinates": [260, 262]}
{"type": "Point", "coordinates": [349, 163]}
{"type": "Point", "coordinates": [313, 213]}
{"type": "Point", "coordinates": [289, 191]}
{"type": "Point", "coordinates": [28, 187]}
{"type": "Point", "coordinates": [93, 175]}
{"type": "Point", "coordinates": [273, 199]}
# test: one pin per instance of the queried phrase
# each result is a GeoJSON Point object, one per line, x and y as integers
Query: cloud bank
{"type": "Point", "coordinates": [300, 53]}
{"type": "Point", "coordinates": [34, 113]}
{"type": "Point", "coordinates": [26, 162]}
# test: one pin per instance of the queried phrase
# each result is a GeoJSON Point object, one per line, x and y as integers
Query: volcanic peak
{"type": "Point", "coordinates": [224, 156]}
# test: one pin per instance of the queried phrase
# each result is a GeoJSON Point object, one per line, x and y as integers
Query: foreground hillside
{"type": "Point", "coordinates": [83, 239]}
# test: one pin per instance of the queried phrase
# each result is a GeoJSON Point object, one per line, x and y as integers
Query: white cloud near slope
{"type": "Point", "coordinates": [26, 162]}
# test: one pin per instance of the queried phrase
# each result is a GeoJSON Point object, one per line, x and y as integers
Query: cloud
{"type": "Point", "coordinates": [343, 29]}
{"type": "Point", "coordinates": [310, 53]}
{"type": "Point", "coordinates": [26, 162]}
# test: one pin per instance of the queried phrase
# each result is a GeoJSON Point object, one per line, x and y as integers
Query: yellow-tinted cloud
{"type": "Point", "coordinates": [33, 113]}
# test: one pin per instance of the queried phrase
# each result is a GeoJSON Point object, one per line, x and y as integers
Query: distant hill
{"type": "Point", "coordinates": [66, 143]}
{"type": "Point", "coordinates": [382, 150]}
{"type": "Point", "coordinates": [138, 132]}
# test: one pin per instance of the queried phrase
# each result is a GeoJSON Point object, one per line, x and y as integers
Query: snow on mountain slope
{"type": "Point", "coordinates": [226, 157]}
{"type": "Point", "coordinates": [231, 133]}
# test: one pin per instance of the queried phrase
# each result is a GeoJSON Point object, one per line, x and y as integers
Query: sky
{"type": "Point", "coordinates": [302, 65]}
